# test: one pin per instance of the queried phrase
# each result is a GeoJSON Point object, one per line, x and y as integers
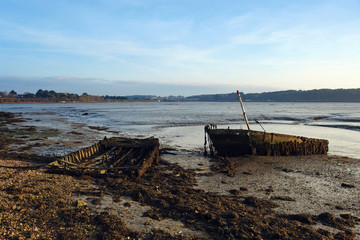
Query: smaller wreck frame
{"type": "Point", "coordinates": [112, 157]}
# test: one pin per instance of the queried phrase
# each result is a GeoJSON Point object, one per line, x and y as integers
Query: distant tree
{"type": "Point", "coordinates": [84, 97]}
{"type": "Point", "coordinates": [29, 95]}
{"type": "Point", "coordinates": [47, 94]}
{"type": "Point", "coordinates": [73, 97]}
{"type": "Point", "coordinates": [53, 94]}
{"type": "Point", "coordinates": [61, 96]}
{"type": "Point", "coordinates": [316, 95]}
{"type": "Point", "coordinates": [13, 93]}
{"type": "Point", "coordinates": [3, 94]}
{"type": "Point", "coordinates": [115, 97]}
{"type": "Point", "coordinates": [40, 93]}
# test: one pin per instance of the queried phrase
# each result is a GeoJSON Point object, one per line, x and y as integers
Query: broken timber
{"type": "Point", "coordinates": [113, 156]}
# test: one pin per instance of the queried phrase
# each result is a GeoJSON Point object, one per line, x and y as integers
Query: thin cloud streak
{"type": "Point", "coordinates": [102, 48]}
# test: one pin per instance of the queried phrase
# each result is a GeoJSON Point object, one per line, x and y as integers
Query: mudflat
{"type": "Point", "coordinates": [184, 196]}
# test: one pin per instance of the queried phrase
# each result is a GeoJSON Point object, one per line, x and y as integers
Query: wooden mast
{"type": "Point", "coordinates": [243, 109]}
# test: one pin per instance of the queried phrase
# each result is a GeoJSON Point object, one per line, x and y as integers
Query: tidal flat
{"type": "Point", "coordinates": [185, 196]}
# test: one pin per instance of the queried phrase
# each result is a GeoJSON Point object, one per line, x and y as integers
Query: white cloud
{"type": "Point", "coordinates": [105, 49]}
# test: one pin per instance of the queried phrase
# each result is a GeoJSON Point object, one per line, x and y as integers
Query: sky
{"type": "Point", "coordinates": [178, 47]}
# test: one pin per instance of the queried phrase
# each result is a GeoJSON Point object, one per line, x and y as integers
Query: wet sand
{"type": "Point", "coordinates": [298, 184]}
{"type": "Point", "coordinates": [187, 196]}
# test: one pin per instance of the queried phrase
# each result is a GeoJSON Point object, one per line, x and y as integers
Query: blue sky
{"type": "Point", "coordinates": [124, 47]}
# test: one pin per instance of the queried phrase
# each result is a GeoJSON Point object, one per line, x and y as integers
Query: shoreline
{"type": "Point", "coordinates": [181, 129]}
{"type": "Point", "coordinates": [59, 102]}
{"type": "Point", "coordinates": [290, 192]}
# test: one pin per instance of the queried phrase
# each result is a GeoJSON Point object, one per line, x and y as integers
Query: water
{"type": "Point", "coordinates": [182, 124]}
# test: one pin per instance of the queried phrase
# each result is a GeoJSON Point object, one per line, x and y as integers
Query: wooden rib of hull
{"type": "Point", "coordinates": [113, 156]}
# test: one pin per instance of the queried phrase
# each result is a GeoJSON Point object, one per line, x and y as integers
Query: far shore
{"type": "Point", "coordinates": [42, 101]}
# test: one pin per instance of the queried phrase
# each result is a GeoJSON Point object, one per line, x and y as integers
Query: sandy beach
{"type": "Point", "coordinates": [185, 196]}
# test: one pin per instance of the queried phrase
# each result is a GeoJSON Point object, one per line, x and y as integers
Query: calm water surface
{"type": "Point", "coordinates": [182, 124]}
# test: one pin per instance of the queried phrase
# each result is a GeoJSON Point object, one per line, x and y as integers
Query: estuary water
{"type": "Point", "coordinates": [181, 124]}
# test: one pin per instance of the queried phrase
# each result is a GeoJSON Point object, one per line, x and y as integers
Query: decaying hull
{"type": "Point", "coordinates": [112, 156]}
{"type": "Point", "coordinates": [236, 142]}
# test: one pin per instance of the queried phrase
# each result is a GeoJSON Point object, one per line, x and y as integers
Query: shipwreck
{"type": "Point", "coordinates": [237, 142]}
{"type": "Point", "coordinates": [113, 157]}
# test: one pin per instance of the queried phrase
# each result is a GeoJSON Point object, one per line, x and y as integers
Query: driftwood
{"type": "Point", "coordinates": [113, 156]}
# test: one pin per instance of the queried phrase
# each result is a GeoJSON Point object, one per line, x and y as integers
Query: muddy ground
{"type": "Point", "coordinates": [185, 196]}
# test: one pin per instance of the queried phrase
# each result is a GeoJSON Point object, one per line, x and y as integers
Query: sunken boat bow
{"type": "Point", "coordinates": [237, 142]}
{"type": "Point", "coordinates": [113, 156]}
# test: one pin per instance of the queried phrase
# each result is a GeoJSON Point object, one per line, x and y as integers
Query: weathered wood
{"type": "Point", "coordinates": [236, 142]}
{"type": "Point", "coordinates": [121, 159]}
{"type": "Point", "coordinates": [243, 110]}
{"type": "Point", "coordinates": [95, 159]}
{"type": "Point", "coordinates": [112, 156]}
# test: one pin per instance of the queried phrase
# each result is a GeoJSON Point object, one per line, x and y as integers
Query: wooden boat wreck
{"type": "Point", "coordinates": [114, 156]}
{"type": "Point", "coordinates": [236, 142]}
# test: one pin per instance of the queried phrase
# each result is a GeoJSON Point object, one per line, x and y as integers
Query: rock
{"type": "Point", "coordinates": [303, 218]}
{"type": "Point", "coordinates": [80, 203]}
{"type": "Point", "coordinates": [326, 217]}
{"type": "Point", "coordinates": [350, 217]}
{"type": "Point", "coordinates": [269, 190]}
{"type": "Point", "coordinates": [346, 185]}
{"type": "Point", "coordinates": [345, 235]}
{"type": "Point", "coordinates": [283, 198]}
{"type": "Point", "coordinates": [96, 201]}
{"type": "Point", "coordinates": [332, 221]}
{"type": "Point", "coordinates": [116, 199]}
{"type": "Point", "coordinates": [346, 216]}
{"type": "Point", "coordinates": [234, 192]}
{"type": "Point", "coordinates": [259, 203]}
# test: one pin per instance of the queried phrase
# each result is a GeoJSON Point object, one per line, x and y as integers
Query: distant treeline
{"type": "Point", "coordinates": [318, 95]}
{"type": "Point", "coordinates": [52, 96]}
